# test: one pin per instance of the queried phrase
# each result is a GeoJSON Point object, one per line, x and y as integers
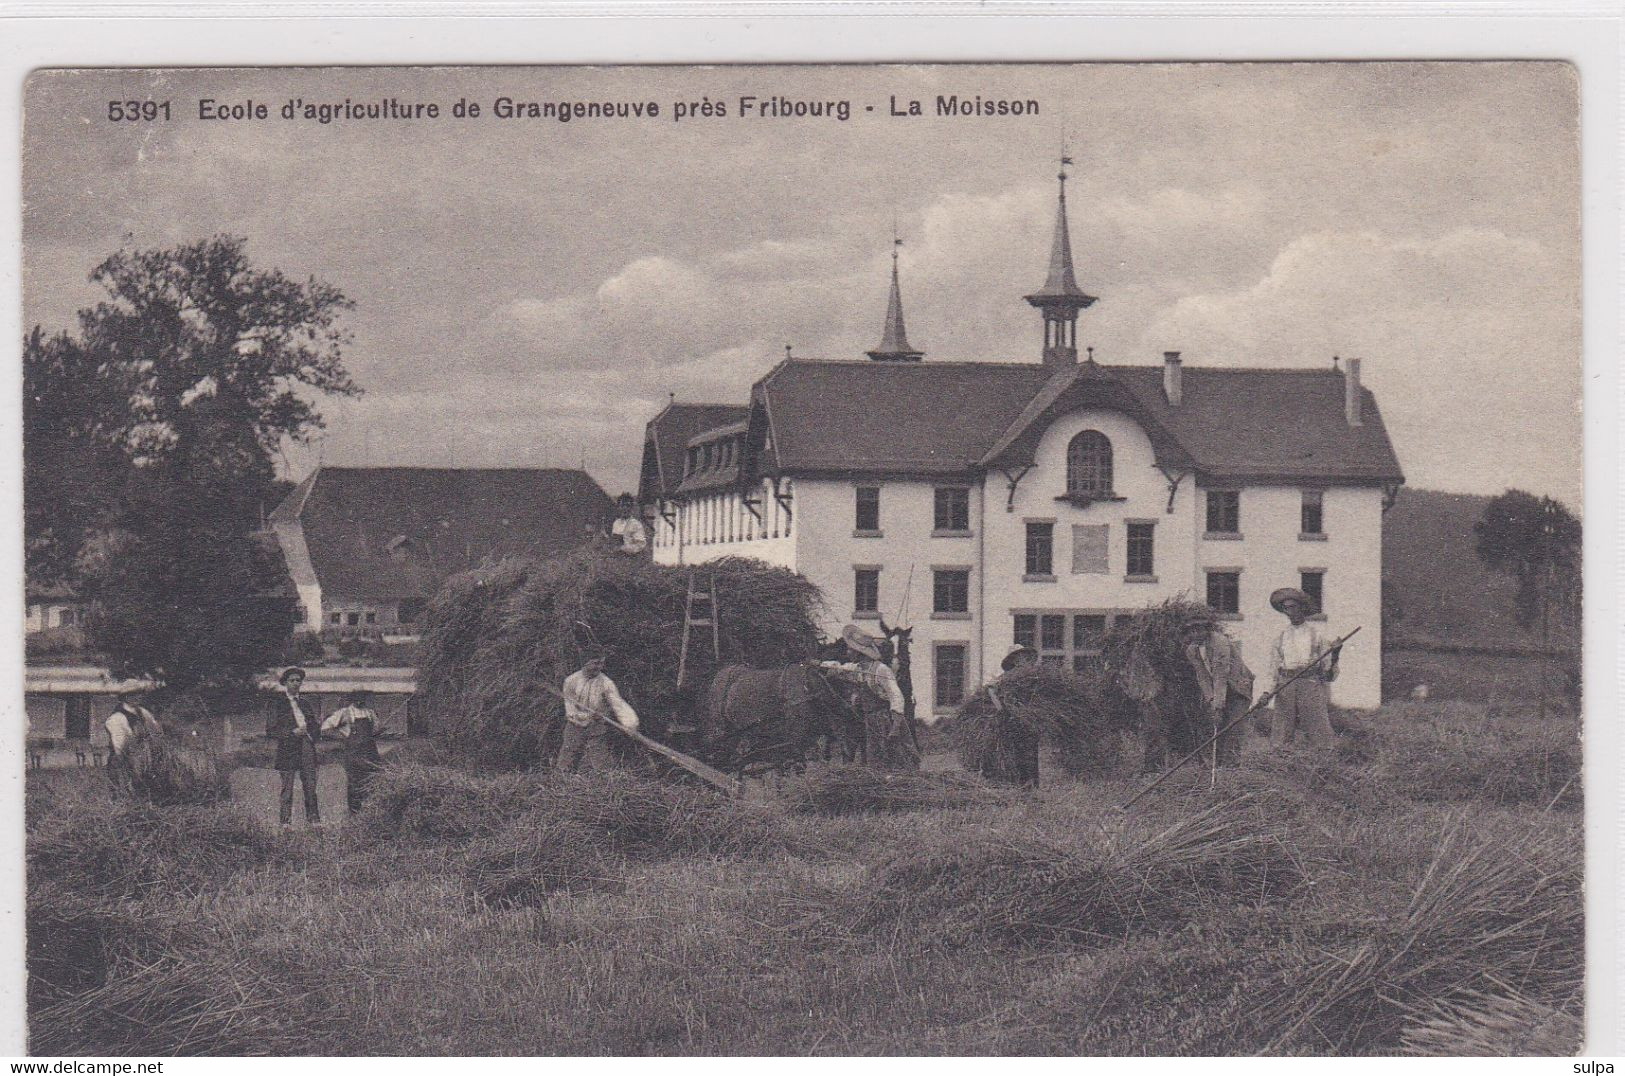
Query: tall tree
{"type": "Point", "coordinates": [218, 365]}
{"type": "Point", "coordinates": [75, 415]}
{"type": "Point", "coordinates": [1536, 540]}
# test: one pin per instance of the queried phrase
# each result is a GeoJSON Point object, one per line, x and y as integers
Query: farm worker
{"type": "Point", "coordinates": [295, 732]}
{"type": "Point", "coordinates": [1224, 680]}
{"type": "Point", "coordinates": [885, 712]}
{"type": "Point", "coordinates": [356, 723]}
{"type": "Point", "coordinates": [628, 530]}
{"type": "Point", "coordinates": [1300, 707]}
{"type": "Point", "coordinates": [1023, 742]}
{"type": "Point", "coordinates": [590, 699]}
{"type": "Point", "coordinates": [128, 724]}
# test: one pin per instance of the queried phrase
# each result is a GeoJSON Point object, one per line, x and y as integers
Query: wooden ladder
{"type": "Point", "coordinates": [699, 611]}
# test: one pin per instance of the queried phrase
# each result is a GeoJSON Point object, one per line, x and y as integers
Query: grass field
{"type": "Point", "coordinates": [1417, 892]}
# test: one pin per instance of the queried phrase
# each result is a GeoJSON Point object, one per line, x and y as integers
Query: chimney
{"type": "Point", "coordinates": [1351, 392]}
{"type": "Point", "coordinates": [1173, 380]}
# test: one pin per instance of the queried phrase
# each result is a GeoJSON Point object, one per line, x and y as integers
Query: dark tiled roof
{"type": "Point", "coordinates": [1252, 423]}
{"type": "Point", "coordinates": [939, 418]}
{"type": "Point", "coordinates": [924, 417]}
{"type": "Point", "coordinates": [666, 437]}
{"type": "Point", "coordinates": [450, 520]}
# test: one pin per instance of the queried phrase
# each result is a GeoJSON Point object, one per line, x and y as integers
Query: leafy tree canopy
{"type": "Point", "coordinates": [1536, 540]}
{"type": "Point", "coordinates": [150, 442]}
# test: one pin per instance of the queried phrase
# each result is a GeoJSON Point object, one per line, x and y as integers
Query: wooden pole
{"type": "Point", "coordinates": [1260, 704]}
{"type": "Point", "coordinates": [708, 774]}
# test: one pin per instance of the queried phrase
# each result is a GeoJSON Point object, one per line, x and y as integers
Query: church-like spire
{"type": "Point", "coordinates": [1060, 298]}
{"type": "Point", "coordinates": [894, 338]}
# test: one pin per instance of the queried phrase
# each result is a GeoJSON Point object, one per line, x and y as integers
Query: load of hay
{"type": "Point", "coordinates": [494, 636]}
{"type": "Point", "coordinates": [1086, 719]}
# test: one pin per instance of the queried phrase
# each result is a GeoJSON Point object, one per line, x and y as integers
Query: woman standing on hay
{"type": "Point", "coordinates": [356, 724]}
{"type": "Point", "coordinates": [885, 713]}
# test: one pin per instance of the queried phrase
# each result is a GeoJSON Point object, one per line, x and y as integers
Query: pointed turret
{"type": "Point", "coordinates": [1060, 298]}
{"type": "Point", "coordinates": [894, 338]}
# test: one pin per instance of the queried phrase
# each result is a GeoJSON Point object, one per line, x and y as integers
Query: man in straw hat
{"type": "Point", "coordinates": [1301, 706]}
{"type": "Point", "coordinates": [885, 714]}
{"type": "Point", "coordinates": [590, 699]}
{"type": "Point", "coordinates": [295, 728]}
{"type": "Point", "coordinates": [1224, 680]}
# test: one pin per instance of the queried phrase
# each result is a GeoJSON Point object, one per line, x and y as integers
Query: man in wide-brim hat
{"type": "Point", "coordinates": [1225, 681]}
{"type": "Point", "coordinates": [1301, 707]}
{"type": "Point", "coordinates": [885, 713]}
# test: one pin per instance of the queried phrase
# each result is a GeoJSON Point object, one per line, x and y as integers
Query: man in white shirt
{"type": "Point", "coordinates": [1301, 706]}
{"type": "Point", "coordinates": [590, 699]}
{"type": "Point", "coordinates": [631, 536]}
{"type": "Point", "coordinates": [127, 725]}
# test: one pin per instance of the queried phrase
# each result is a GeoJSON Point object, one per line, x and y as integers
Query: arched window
{"type": "Point", "coordinates": [1089, 464]}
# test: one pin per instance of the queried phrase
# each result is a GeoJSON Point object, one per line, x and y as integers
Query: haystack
{"type": "Point", "coordinates": [493, 637]}
{"type": "Point", "coordinates": [1087, 718]}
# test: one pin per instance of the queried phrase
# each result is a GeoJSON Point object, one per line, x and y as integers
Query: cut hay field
{"type": "Point", "coordinates": [1417, 892]}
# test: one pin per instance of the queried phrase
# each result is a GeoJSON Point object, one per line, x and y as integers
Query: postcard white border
{"type": "Point", "coordinates": [34, 35]}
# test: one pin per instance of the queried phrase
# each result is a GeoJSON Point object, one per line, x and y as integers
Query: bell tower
{"type": "Point", "coordinates": [1060, 299]}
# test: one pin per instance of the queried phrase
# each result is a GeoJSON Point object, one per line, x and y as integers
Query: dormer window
{"type": "Point", "coordinates": [1088, 468]}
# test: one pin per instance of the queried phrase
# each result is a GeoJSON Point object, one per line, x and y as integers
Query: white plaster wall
{"type": "Point", "coordinates": [828, 552]}
{"type": "Point", "coordinates": [1271, 554]}
{"type": "Point", "coordinates": [1136, 478]}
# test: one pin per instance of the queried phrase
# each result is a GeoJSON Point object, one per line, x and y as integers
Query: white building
{"type": "Point", "coordinates": [991, 503]}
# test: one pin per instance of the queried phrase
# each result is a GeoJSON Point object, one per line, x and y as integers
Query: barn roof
{"type": "Point", "coordinates": [386, 533]}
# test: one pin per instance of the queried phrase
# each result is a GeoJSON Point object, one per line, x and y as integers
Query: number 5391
{"type": "Point", "coordinates": [137, 111]}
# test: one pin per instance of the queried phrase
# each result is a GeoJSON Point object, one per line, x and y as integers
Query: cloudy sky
{"type": "Point", "coordinates": [528, 292]}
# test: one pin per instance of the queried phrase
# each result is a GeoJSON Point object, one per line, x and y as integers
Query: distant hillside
{"type": "Point", "coordinates": [1435, 589]}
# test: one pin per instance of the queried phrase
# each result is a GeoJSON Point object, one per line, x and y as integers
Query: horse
{"type": "Point", "coordinates": [756, 719]}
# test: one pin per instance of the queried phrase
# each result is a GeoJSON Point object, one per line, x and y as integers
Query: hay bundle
{"type": "Point", "coordinates": [1482, 1025]}
{"type": "Point", "coordinates": [1144, 661]}
{"type": "Point", "coordinates": [1041, 704]}
{"type": "Point", "coordinates": [191, 1005]}
{"type": "Point", "coordinates": [1484, 916]}
{"type": "Point", "coordinates": [492, 638]}
{"type": "Point", "coordinates": [845, 790]}
{"type": "Point", "coordinates": [168, 773]}
{"type": "Point", "coordinates": [133, 849]}
{"type": "Point", "coordinates": [531, 857]}
{"type": "Point", "coordinates": [1043, 892]}
{"type": "Point", "coordinates": [439, 804]}
{"type": "Point", "coordinates": [1088, 719]}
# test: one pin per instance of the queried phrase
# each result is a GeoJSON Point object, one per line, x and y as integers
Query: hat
{"type": "Point", "coordinates": [289, 671]}
{"type": "Point", "coordinates": [1016, 651]}
{"type": "Point", "coordinates": [1281, 596]}
{"type": "Point", "coordinates": [860, 640]}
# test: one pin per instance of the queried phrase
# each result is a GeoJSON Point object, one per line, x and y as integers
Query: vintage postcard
{"type": "Point", "coordinates": [760, 560]}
